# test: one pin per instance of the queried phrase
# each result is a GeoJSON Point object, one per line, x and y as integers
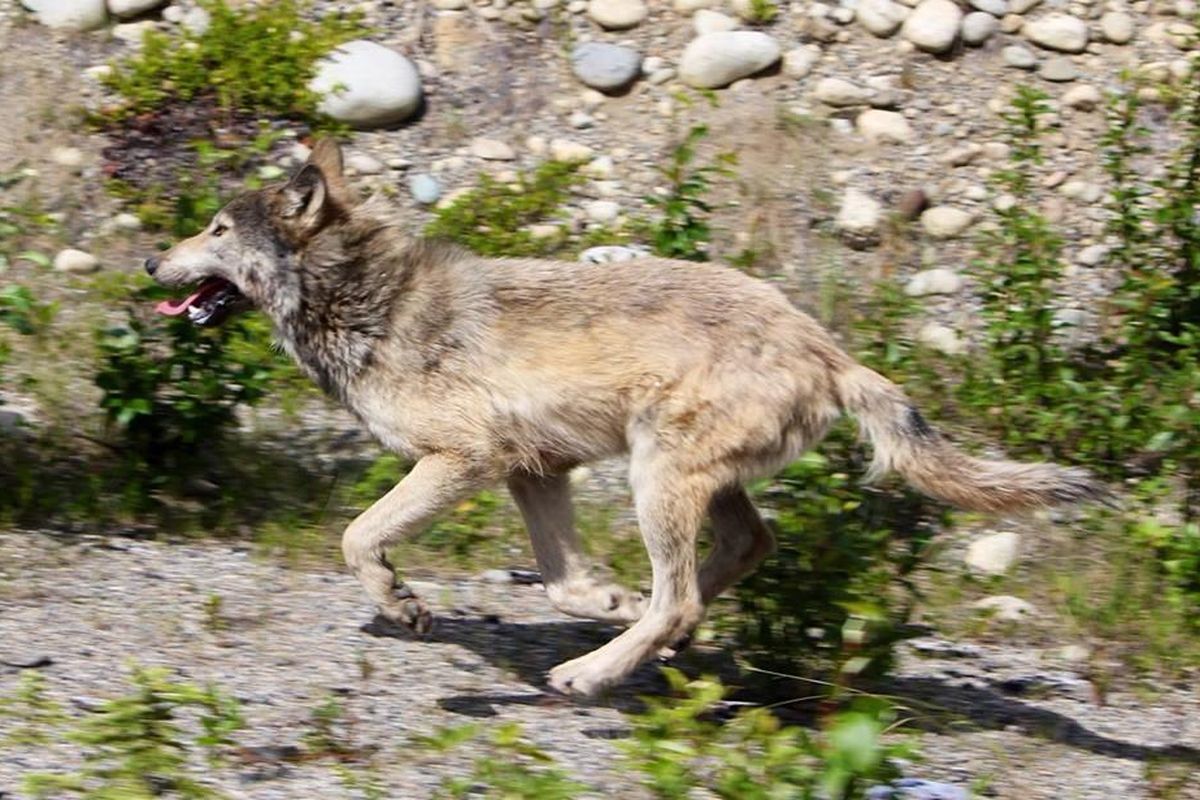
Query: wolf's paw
{"type": "Point", "coordinates": [606, 602]}
{"type": "Point", "coordinates": [409, 612]}
{"type": "Point", "coordinates": [669, 652]}
{"type": "Point", "coordinates": [580, 677]}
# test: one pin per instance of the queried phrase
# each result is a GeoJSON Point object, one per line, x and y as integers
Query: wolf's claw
{"type": "Point", "coordinates": [409, 612]}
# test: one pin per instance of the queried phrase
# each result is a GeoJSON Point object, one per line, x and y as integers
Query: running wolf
{"type": "Point", "coordinates": [484, 370]}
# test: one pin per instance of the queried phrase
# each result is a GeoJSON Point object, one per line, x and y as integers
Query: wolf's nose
{"type": "Point", "coordinates": [151, 265]}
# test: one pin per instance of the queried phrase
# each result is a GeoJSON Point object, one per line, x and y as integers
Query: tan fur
{"type": "Point", "coordinates": [486, 370]}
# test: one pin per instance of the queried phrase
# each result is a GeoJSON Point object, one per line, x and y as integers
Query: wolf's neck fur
{"type": "Point", "coordinates": [350, 275]}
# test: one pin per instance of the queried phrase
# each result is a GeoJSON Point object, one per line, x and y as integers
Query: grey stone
{"type": "Point", "coordinates": [978, 27]}
{"type": "Point", "coordinates": [1020, 57]}
{"type": "Point", "coordinates": [1058, 70]}
{"type": "Point", "coordinates": [606, 67]}
{"type": "Point", "coordinates": [424, 188]}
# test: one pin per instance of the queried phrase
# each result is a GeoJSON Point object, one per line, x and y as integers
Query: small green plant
{"type": "Point", "coordinates": [760, 12]}
{"type": "Point", "coordinates": [682, 229]}
{"type": "Point", "coordinates": [135, 747]}
{"type": "Point", "coordinates": [214, 619]}
{"type": "Point", "coordinates": [511, 768]}
{"type": "Point", "coordinates": [495, 218]}
{"type": "Point", "coordinates": [171, 389]}
{"type": "Point", "coordinates": [252, 57]}
{"type": "Point", "coordinates": [679, 747]}
{"type": "Point", "coordinates": [33, 716]}
{"type": "Point", "coordinates": [1023, 378]}
{"type": "Point", "coordinates": [840, 588]}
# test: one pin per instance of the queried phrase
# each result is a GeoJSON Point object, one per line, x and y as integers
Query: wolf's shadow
{"type": "Point", "coordinates": [529, 650]}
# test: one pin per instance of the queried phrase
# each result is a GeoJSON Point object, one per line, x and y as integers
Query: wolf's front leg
{"type": "Point", "coordinates": [436, 483]}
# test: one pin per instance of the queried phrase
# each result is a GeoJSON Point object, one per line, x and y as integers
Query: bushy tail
{"type": "Point", "coordinates": [905, 443]}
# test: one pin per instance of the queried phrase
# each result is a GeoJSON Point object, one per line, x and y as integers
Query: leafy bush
{"type": "Point", "coordinates": [135, 746]}
{"type": "Point", "coordinates": [511, 768]}
{"type": "Point", "coordinates": [32, 715]}
{"type": "Point", "coordinates": [171, 389]}
{"type": "Point", "coordinates": [679, 747]}
{"type": "Point", "coordinates": [839, 587]}
{"type": "Point", "coordinates": [682, 229]}
{"type": "Point", "coordinates": [494, 219]}
{"type": "Point", "coordinates": [253, 57]}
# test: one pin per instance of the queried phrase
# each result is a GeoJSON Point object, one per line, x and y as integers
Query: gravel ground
{"type": "Point", "coordinates": [1018, 723]}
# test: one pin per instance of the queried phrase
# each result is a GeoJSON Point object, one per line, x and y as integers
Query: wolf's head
{"type": "Point", "coordinates": [247, 256]}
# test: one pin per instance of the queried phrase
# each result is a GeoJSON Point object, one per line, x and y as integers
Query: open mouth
{"type": "Point", "coordinates": [208, 305]}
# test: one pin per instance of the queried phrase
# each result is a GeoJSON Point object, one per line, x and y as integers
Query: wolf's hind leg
{"type": "Point", "coordinates": [436, 483]}
{"type": "Point", "coordinates": [545, 503]}
{"type": "Point", "coordinates": [741, 540]}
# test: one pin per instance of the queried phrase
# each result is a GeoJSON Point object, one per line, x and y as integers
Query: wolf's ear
{"type": "Point", "coordinates": [326, 156]}
{"type": "Point", "coordinates": [306, 197]}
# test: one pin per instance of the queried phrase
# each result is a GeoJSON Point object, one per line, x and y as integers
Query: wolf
{"type": "Point", "coordinates": [482, 370]}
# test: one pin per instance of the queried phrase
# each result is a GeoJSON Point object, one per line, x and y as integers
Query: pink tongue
{"type": "Point", "coordinates": [173, 308]}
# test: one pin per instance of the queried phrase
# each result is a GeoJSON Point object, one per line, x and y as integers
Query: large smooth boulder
{"type": "Point", "coordinates": [367, 85]}
{"type": "Point", "coordinates": [72, 15]}
{"type": "Point", "coordinates": [933, 25]}
{"type": "Point", "coordinates": [718, 59]}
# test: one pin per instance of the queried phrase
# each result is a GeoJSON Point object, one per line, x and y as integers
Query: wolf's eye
{"type": "Point", "coordinates": [219, 229]}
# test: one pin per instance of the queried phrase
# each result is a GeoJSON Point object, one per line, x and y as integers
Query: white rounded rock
{"type": "Point", "coordinates": [1117, 27]}
{"type": "Point", "coordinates": [941, 338]}
{"type": "Point", "coordinates": [73, 15]}
{"type": "Point", "coordinates": [799, 61]}
{"type": "Point", "coordinates": [933, 25]}
{"type": "Point", "coordinates": [841, 93]}
{"type": "Point", "coordinates": [76, 262]}
{"type": "Point", "coordinates": [978, 27]}
{"type": "Point", "coordinates": [705, 20]}
{"type": "Point", "coordinates": [994, 554]}
{"type": "Point", "coordinates": [132, 8]}
{"type": "Point", "coordinates": [945, 222]}
{"type": "Point", "coordinates": [933, 281]}
{"type": "Point", "coordinates": [367, 85]}
{"type": "Point", "coordinates": [859, 215]}
{"type": "Point", "coordinates": [884, 127]}
{"type": "Point", "coordinates": [880, 17]}
{"type": "Point", "coordinates": [615, 15]}
{"type": "Point", "coordinates": [1057, 31]}
{"type": "Point", "coordinates": [718, 59]}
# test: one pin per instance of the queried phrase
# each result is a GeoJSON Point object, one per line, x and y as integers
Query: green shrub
{"type": "Point", "coordinates": [511, 767]}
{"type": "Point", "coordinates": [255, 57]}
{"type": "Point", "coordinates": [839, 587]}
{"type": "Point", "coordinates": [33, 717]}
{"type": "Point", "coordinates": [1021, 380]}
{"type": "Point", "coordinates": [682, 229]}
{"type": "Point", "coordinates": [494, 218]}
{"type": "Point", "coordinates": [679, 747]}
{"type": "Point", "coordinates": [170, 389]}
{"type": "Point", "coordinates": [135, 747]}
